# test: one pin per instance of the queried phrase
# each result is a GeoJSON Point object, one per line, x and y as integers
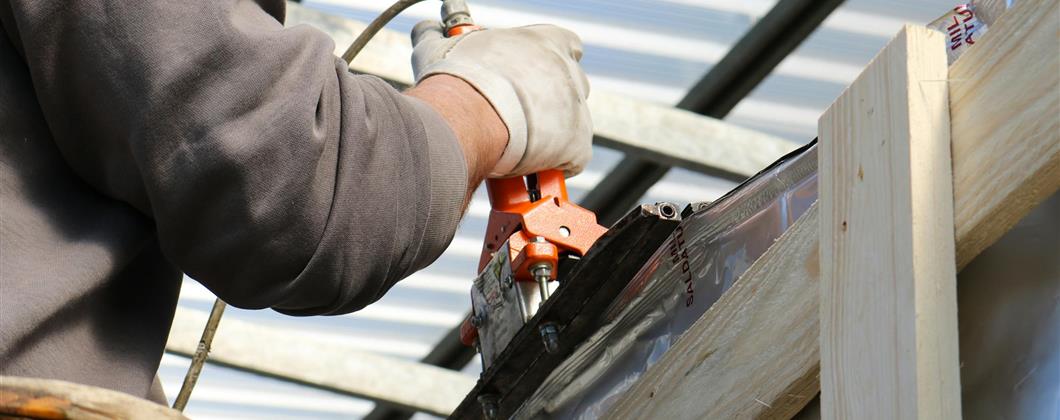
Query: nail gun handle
{"type": "Point", "coordinates": [508, 191]}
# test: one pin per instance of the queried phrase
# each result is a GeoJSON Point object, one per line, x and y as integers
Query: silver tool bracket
{"type": "Point", "coordinates": [500, 304]}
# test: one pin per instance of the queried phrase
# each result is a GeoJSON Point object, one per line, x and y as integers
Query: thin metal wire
{"type": "Point", "coordinates": [199, 358]}
{"type": "Point", "coordinates": [374, 27]}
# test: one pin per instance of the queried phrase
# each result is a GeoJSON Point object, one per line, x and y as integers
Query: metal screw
{"type": "Point", "coordinates": [509, 281]}
{"type": "Point", "coordinates": [478, 320]}
{"type": "Point", "coordinates": [550, 337]}
{"type": "Point", "coordinates": [490, 405]}
{"type": "Point", "coordinates": [542, 273]}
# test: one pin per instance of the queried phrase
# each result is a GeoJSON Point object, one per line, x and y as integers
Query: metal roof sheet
{"type": "Point", "coordinates": [650, 49]}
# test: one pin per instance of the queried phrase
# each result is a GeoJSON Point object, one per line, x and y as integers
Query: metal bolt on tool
{"type": "Point", "coordinates": [549, 337]}
{"type": "Point", "coordinates": [542, 274]}
{"type": "Point", "coordinates": [490, 405]}
{"type": "Point", "coordinates": [667, 210]}
{"type": "Point", "coordinates": [478, 320]}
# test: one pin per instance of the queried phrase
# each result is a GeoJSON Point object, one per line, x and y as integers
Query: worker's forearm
{"type": "Point", "coordinates": [268, 171]}
{"type": "Point", "coordinates": [481, 132]}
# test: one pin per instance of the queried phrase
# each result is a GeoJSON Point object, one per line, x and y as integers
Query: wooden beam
{"type": "Point", "coordinates": [753, 354]}
{"type": "Point", "coordinates": [888, 279]}
{"type": "Point", "coordinates": [1005, 106]}
{"type": "Point", "coordinates": [323, 363]}
{"type": "Point", "coordinates": [1034, 22]}
{"type": "Point", "coordinates": [24, 398]}
{"type": "Point", "coordinates": [659, 133]}
{"type": "Point", "coordinates": [680, 138]}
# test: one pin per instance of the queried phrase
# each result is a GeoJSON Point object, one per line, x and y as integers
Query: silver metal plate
{"type": "Point", "coordinates": [499, 306]}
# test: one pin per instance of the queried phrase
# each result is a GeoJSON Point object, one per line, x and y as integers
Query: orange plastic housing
{"type": "Point", "coordinates": [537, 230]}
{"type": "Point", "coordinates": [461, 29]}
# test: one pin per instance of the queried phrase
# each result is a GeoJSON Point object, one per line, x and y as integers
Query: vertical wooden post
{"type": "Point", "coordinates": [888, 277]}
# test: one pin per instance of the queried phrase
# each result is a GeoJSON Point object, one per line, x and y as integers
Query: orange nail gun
{"type": "Point", "coordinates": [531, 224]}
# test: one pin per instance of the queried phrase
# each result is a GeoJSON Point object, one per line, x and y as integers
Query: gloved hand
{"type": "Point", "coordinates": [532, 78]}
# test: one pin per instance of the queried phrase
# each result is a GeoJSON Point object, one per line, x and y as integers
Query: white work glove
{"type": "Point", "coordinates": [532, 78]}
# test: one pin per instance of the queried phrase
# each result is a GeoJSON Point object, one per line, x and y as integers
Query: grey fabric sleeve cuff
{"type": "Point", "coordinates": [448, 184]}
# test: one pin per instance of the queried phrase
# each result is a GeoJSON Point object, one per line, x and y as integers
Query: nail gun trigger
{"type": "Point", "coordinates": [533, 187]}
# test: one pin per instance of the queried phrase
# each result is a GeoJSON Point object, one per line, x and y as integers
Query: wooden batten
{"type": "Point", "coordinates": [888, 280]}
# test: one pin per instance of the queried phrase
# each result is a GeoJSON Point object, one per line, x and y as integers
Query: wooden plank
{"type": "Point", "coordinates": [676, 137]}
{"type": "Point", "coordinates": [659, 133]}
{"type": "Point", "coordinates": [322, 362]}
{"type": "Point", "coordinates": [710, 373]}
{"type": "Point", "coordinates": [23, 398]}
{"type": "Point", "coordinates": [1005, 106]}
{"type": "Point", "coordinates": [888, 280]}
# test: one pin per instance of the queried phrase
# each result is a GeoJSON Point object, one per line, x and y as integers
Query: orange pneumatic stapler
{"type": "Point", "coordinates": [531, 224]}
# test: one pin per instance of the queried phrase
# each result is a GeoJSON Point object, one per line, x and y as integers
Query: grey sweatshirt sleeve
{"type": "Point", "coordinates": [273, 175]}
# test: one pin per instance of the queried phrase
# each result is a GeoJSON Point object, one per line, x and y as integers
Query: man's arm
{"type": "Point", "coordinates": [273, 175]}
{"type": "Point", "coordinates": [481, 132]}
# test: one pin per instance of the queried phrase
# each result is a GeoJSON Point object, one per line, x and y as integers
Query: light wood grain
{"type": "Point", "coordinates": [888, 280]}
{"type": "Point", "coordinates": [753, 354]}
{"type": "Point", "coordinates": [46, 398]}
{"type": "Point", "coordinates": [1005, 116]}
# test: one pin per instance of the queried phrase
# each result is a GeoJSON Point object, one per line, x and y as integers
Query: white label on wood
{"type": "Point", "coordinates": [888, 287]}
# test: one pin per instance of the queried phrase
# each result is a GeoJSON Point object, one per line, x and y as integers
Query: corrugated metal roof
{"type": "Point", "coordinates": [653, 50]}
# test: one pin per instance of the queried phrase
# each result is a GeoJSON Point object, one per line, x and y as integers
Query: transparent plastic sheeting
{"type": "Point", "coordinates": [710, 250]}
{"type": "Point", "coordinates": [966, 23]}
{"type": "Point", "coordinates": [713, 246]}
